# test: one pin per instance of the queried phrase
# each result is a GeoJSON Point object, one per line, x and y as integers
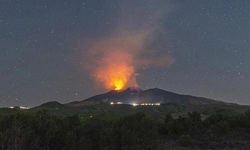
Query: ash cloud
{"type": "Point", "coordinates": [128, 48]}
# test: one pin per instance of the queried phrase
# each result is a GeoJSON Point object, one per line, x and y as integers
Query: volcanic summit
{"type": "Point", "coordinates": [136, 95]}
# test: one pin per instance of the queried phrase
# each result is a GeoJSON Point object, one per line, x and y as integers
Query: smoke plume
{"type": "Point", "coordinates": [113, 61]}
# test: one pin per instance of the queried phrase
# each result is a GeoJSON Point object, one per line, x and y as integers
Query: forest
{"type": "Point", "coordinates": [46, 131]}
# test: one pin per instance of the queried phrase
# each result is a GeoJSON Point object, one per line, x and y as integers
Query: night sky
{"type": "Point", "coordinates": [196, 47]}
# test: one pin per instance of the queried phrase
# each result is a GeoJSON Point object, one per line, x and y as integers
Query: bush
{"type": "Point", "coordinates": [185, 140]}
{"type": "Point", "coordinates": [222, 128]}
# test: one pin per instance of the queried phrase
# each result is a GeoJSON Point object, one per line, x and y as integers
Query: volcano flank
{"type": "Point", "coordinates": [122, 102]}
{"type": "Point", "coordinates": [136, 95]}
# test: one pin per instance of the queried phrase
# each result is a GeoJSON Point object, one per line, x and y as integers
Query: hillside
{"type": "Point", "coordinates": [137, 95]}
{"type": "Point", "coordinates": [176, 104]}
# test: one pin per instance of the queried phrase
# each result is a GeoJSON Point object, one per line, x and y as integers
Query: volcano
{"type": "Point", "coordinates": [169, 103]}
{"type": "Point", "coordinates": [136, 95]}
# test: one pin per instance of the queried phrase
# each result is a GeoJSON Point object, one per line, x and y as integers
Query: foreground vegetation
{"type": "Point", "coordinates": [42, 130]}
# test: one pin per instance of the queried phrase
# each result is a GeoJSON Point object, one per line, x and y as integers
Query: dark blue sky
{"type": "Point", "coordinates": [42, 47]}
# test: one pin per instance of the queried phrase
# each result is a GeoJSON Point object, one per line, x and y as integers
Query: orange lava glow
{"type": "Point", "coordinates": [119, 84]}
{"type": "Point", "coordinates": [115, 71]}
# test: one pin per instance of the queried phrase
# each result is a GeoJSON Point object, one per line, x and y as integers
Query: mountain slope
{"type": "Point", "coordinates": [176, 104]}
{"type": "Point", "coordinates": [136, 95]}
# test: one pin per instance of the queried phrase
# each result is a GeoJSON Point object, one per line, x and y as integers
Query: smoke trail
{"type": "Point", "coordinates": [113, 61]}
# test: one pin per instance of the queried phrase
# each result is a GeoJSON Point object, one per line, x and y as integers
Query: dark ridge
{"type": "Point", "coordinates": [155, 95]}
{"type": "Point", "coordinates": [53, 104]}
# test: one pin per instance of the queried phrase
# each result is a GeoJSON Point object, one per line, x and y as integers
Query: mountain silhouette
{"type": "Point", "coordinates": [136, 95]}
{"type": "Point", "coordinates": [169, 103]}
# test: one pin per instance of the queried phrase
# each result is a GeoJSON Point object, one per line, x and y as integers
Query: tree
{"type": "Point", "coordinates": [185, 140]}
{"type": "Point", "coordinates": [195, 116]}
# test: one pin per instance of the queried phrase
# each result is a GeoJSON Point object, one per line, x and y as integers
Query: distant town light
{"type": "Point", "coordinates": [22, 107]}
{"type": "Point", "coordinates": [134, 104]}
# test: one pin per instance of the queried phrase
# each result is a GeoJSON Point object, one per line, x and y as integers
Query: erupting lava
{"type": "Point", "coordinates": [115, 71]}
{"type": "Point", "coordinates": [113, 61]}
{"type": "Point", "coordinates": [119, 85]}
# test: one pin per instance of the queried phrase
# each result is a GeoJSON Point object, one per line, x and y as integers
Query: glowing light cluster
{"type": "Point", "coordinates": [115, 103]}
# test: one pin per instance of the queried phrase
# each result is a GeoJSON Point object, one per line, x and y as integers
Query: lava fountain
{"type": "Point", "coordinates": [115, 70]}
{"type": "Point", "coordinates": [112, 62]}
